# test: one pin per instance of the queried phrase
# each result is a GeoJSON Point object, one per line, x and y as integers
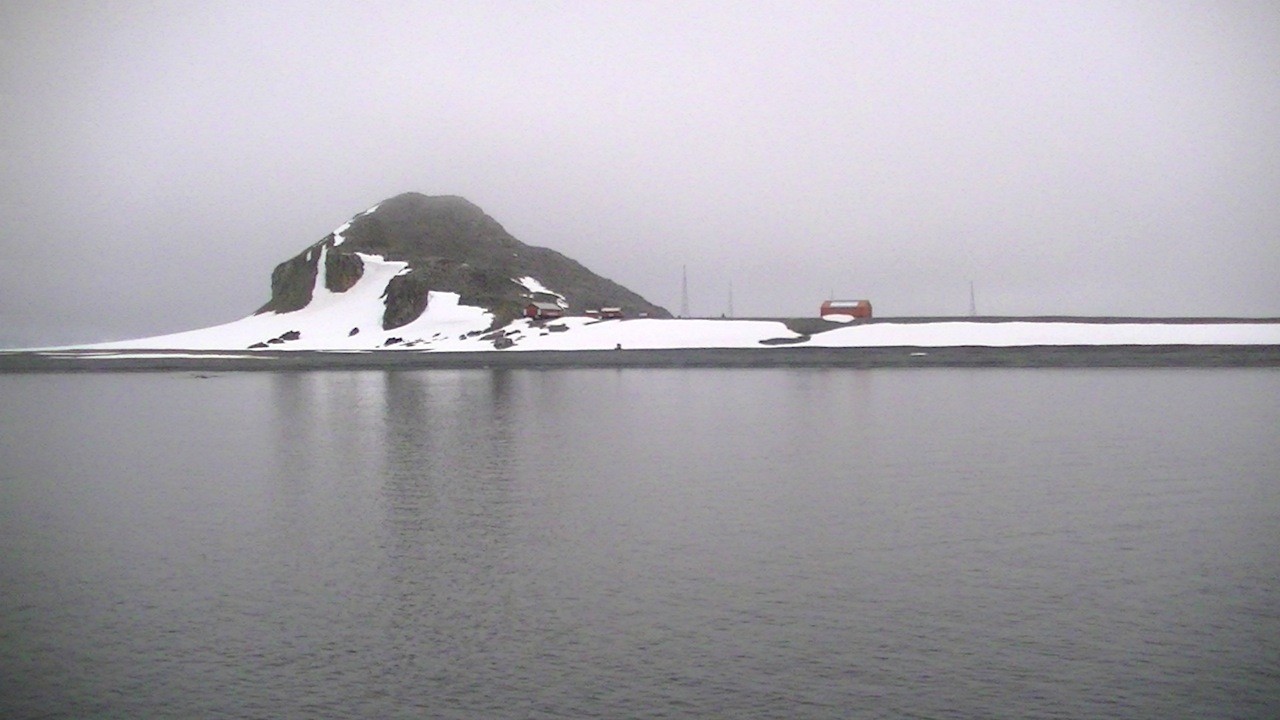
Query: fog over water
{"type": "Point", "coordinates": [1067, 158]}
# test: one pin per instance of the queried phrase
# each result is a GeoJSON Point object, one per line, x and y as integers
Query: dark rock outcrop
{"type": "Point", "coordinates": [406, 299]}
{"type": "Point", "coordinates": [342, 270]}
{"type": "Point", "coordinates": [291, 283]}
{"type": "Point", "coordinates": [450, 245]}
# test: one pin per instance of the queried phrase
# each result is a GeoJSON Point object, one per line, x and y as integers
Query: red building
{"type": "Point", "coordinates": [845, 310]}
{"type": "Point", "coordinates": [543, 310]}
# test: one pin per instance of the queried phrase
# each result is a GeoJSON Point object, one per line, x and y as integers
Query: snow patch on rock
{"type": "Point", "coordinates": [338, 239]}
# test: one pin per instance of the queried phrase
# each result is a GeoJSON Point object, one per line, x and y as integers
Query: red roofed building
{"type": "Point", "coordinates": [543, 310]}
{"type": "Point", "coordinates": [846, 310]}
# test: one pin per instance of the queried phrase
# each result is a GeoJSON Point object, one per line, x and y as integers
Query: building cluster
{"type": "Point", "coordinates": [838, 310]}
{"type": "Point", "coordinates": [538, 310]}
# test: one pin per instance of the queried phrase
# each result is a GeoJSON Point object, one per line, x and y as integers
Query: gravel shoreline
{"type": "Point", "coordinates": [809, 357]}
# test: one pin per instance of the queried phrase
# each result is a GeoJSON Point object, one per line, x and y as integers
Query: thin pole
{"type": "Point", "coordinates": [684, 291]}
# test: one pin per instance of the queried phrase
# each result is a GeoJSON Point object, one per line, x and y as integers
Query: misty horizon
{"type": "Point", "coordinates": [1067, 159]}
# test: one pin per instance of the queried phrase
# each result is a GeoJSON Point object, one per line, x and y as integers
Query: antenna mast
{"type": "Point", "coordinates": [973, 303]}
{"type": "Point", "coordinates": [684, 291]}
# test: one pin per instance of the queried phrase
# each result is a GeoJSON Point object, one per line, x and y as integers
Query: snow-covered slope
{"type": "Point", "coordinates": [447, 326]}
{"type": "Point", "coordinates": [351, 320]}
{"type": "Point", "coordinates": [1021, 334]}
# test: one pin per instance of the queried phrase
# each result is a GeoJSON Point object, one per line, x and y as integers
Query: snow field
{"type": "Point", "coordinates": [327, 322]}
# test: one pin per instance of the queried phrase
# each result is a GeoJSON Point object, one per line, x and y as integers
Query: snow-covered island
{"type": "Point", "coordinates": [447, 326]}
{"type": "Point", "coordinates": [426, 277]}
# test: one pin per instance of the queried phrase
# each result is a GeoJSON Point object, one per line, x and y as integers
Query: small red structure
{"type": "Point", "coordinates": [543, 310]}
{"type": "Point", "coordinates": [846, 310]}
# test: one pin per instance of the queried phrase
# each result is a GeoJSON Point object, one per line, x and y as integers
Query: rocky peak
{"type": "Point", "coordinates": [450, 245]}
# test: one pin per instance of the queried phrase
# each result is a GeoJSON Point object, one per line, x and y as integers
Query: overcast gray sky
{"type": "Point", "coordinates": [159, 158]}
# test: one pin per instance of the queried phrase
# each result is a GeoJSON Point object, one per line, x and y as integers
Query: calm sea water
{"type": "Point", "coordinates": [641, 543]}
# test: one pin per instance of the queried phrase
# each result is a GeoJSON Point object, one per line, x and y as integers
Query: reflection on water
{"type": "Point", "coordinates": [606, 543]}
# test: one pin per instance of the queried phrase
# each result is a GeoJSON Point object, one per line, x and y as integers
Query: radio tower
{"type": "Point", "coordinates": [973, 303]}
{"type": "Point", "coordinates": [684, 291]}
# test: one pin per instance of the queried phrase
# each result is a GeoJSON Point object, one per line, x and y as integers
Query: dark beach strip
{"type": "Point", "coordinates": [776, 357]}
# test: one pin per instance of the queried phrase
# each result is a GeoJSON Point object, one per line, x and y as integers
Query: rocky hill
{"type": "Point", "coordinates": [450, 245]}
